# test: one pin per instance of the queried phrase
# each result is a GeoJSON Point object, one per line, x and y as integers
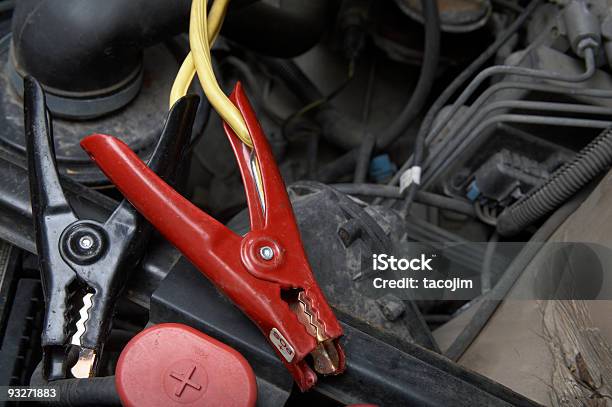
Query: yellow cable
{"type": "Point", "coordinates": [187, 71]}
{"type": "Point", "coordinates": [200, 48]}
{"type": "Point", "coordinates": [183, 80]}
{"type": "Point", "coordinates": [201, 37]}
{"type": "Point", "coordinates": [199, 41]}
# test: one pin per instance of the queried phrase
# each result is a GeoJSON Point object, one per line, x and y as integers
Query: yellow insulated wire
{"type": "Point", "coordinates": [201, 36]}
{"type": "Point", "coordinates": [187, 71]}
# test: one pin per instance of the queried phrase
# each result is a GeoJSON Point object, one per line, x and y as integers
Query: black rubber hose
{"type": "Point", "coordinates": [93, 392]}
{"type": "Point", "coordinates": [426, 198]}
{"type": "Point", "coordinates": [427, 76]}
{"type": "Point", "coordinates": [444, 202]}
{"type": "Point", "coordinates": [91, 48]}
{"type": "Point", "coordinates": [294, 78]}
{"type": "Point", "coordinates": [562, 185]}
{"type": "Point", "coordinates": [345, 132]}
{"type": "Point", "coordinates": [334, 170]}
{"type": "Point", "coordinates": [369, 139]}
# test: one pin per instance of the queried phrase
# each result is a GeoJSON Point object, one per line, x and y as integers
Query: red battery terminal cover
{"type": "Point", "coordinates": [175, 365]}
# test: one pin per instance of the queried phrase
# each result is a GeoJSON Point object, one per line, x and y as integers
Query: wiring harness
{"type": "Point", "coordinates": [562, 185]}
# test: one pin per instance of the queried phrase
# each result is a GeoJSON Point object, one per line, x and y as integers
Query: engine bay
{"type": "Point", "coordinates": [413, 205]}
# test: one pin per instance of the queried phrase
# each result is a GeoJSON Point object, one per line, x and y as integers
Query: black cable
{"type": "Point", "coordinates": [562, 184]}
{"type": "Point", "coordinates": [369, 139]}
{"type": "Point", "coordinates": [334, 170]}
{"type": "Point", "coordinates": [431, 56]}
{"type": "Point", "coordinates": [425, 198]}
{"type": "Point", "coordinates": [92, 392]}
{"type": "Point", "coordinates": [376, 190]}
{"type": "Point", "coordinates": [444, 202]}
{"type": "Point", "coordinates": [292, 76]}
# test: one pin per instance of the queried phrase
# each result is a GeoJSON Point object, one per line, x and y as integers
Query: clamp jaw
{"type": "Point", "coordinates": [85, 263]}
{"type": "Point", "coordinates": [265, 272]}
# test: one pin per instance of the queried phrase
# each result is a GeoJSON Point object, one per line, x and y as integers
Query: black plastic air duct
{"type": "Point", "coordinates": [88, 53]}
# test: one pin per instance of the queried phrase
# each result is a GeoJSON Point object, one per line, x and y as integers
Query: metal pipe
{"type": "Point", "coordinates": [589, 58]}
{"type": "Point", "coordinates": [548, 88]}
{"type": "Point", "coordinates": [590, 69]}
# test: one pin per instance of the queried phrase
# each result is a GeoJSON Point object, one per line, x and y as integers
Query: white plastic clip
{"type": "Point", "coordinates": [412, 174]}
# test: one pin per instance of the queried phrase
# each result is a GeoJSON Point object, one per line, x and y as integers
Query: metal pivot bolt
{"type": "Point", "coordinates": [86, 242]}
{"type": "Point", "coordinates": [266, 253]}
{"type": "Point", "coordinates": [83, 243]}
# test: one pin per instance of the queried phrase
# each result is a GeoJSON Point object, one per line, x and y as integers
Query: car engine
{"type": "Point", "coordinates": [413, 208]}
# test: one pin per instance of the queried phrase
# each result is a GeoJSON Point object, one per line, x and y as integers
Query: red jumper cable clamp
{"type": "Point", "coordinates": [265, 272]}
